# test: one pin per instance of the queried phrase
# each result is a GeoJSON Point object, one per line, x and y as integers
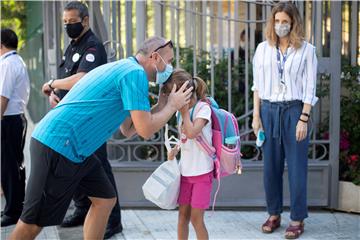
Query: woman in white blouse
{"type": "Point", "coordinates": [284, 69]}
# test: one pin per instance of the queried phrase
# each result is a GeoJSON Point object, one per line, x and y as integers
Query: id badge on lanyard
{"type": "Point", "coordinates": [281, 66]}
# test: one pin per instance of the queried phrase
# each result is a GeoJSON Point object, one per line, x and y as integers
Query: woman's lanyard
{"type": "Point", "coordinates": [281, 64]}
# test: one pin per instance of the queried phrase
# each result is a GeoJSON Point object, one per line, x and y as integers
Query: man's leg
{"type": "Point", "coordinates": [97, 217]}
{"type": "Point", "coordinates": [82, 202]}
{"type": "Point", "coordinates": [25, 231]}
{"type": "Point", "coordinates": [115, 217]}
{"type": "Point", "coordinates": [97, 186]}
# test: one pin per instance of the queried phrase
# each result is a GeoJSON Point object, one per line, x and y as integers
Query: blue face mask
{"type": "Point", "coordinates": [161, 77]}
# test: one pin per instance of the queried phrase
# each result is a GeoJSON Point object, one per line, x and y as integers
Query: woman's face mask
{"type": "Point", "coordinates": [163, 76]}
{"type": "Point", "coordinates": [282, 30]}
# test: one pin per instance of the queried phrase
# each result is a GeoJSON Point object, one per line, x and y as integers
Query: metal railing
{"type": "Point", "coordinates": [215, 27]}
{"type": "Point", "coordinates": [203, 16]}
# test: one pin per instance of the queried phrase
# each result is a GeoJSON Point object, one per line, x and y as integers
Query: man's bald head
{"type": "Point", "coordinates": [150, 44]}
{"type": "Point", "coordinates": [154, 55]}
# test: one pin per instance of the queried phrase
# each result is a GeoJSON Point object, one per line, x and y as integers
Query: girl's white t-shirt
{"type": "Point", "coordinates": [194, 161]}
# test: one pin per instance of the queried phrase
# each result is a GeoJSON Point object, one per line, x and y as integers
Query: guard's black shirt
{"type": "Point", "coordinates": [82, 55]}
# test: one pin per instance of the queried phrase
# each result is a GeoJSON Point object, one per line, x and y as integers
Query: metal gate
{"type": "Point", "coordinates": [207, 36]}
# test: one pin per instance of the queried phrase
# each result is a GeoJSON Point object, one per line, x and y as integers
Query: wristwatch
{"type": "Point", "coordinates": [51, 82]}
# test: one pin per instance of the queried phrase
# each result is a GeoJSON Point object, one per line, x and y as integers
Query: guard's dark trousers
{"type": "Point", "coordinates": [13, 133]}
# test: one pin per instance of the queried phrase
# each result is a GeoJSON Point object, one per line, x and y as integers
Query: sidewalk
{"type": "Point", "coordinates": [234, 224]}
{"type": "Point", "coordinates": [158, 224]}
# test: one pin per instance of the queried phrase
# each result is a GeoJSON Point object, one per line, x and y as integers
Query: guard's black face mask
{"type": "Point", "coordinates": [74, 30]}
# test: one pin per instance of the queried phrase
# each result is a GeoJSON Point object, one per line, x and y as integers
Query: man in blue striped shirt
{"type": "Point", "coordinates": [64, 141]}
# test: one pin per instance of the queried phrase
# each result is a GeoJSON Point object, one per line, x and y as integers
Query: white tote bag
{"type": "Point", "coordinates": [163, 185]}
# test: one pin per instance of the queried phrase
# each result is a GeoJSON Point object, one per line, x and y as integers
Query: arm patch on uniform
{"type": "Point", "coordinates": [90, 57]}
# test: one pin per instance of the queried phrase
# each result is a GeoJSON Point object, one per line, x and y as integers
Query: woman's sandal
{"type": "Point", "coordinates": [272, 224]}
{"type": "Point", "coordinates": [295, 231]}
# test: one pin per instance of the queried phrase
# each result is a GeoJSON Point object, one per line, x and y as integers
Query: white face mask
{"type": "Point", "coordinates": [170, 141]}
{"type": "Point", "coordinates": [282, 29]}
{"type": "Point", "coordinates": [163, 76]}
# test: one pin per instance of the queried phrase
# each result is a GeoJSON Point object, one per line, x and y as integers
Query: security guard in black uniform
{"type": "Point", "coordinates": [84, 53]}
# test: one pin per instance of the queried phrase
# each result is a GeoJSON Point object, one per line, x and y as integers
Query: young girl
{"type": "Point", "coordinates": [196, 166]}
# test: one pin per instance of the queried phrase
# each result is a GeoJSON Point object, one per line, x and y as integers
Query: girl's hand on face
{"type": "Point", "coordinates": [184, 110]}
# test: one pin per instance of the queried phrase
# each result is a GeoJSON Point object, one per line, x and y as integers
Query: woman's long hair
{"type": "Point", "coordinates": [296, 35]}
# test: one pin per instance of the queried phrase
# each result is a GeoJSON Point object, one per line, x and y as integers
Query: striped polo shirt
{"type": "Point", "coordinates": [94, 109]}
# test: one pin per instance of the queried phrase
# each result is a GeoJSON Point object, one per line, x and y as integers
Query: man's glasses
{"type": "Point", "coordinates": [169, 43]}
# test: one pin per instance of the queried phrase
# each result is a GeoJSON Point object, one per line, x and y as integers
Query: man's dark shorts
{"type": "Point", "coordinates": [53, 181]}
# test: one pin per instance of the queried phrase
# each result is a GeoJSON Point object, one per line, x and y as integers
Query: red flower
{"type": "Point", "coordinates": [353, 159]}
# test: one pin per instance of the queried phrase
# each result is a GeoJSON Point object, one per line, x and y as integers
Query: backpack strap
{"type": "Point", "coordinates": [200, 139]}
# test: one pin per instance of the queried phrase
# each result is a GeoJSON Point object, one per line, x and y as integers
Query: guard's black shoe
{"type": "Point", "coordinates": [111, 230]}
{"type": "Point", "coordinates": [74, 220]}
{"type": "Point", "coordinates": [7, 221]}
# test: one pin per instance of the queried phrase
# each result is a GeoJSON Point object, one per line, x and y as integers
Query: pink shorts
{"type": "Point", "coordinates": [196, 191]}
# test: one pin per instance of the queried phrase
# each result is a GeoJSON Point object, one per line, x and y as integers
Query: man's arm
{"type": "Point", "coordinates": [4, 102]}
{"type": "Point", "coordinates": [69, 82]}
{"type": "Point", "coordinates": [127, 128]}
{"type": "Point", "coordinates": [146, 123]}
{"type": "Point", "coordinates": [7, 85]}
{"type": "Point", "coordinates": [163, 98]}
{"type": "Point", "coordinates": [65, 83]}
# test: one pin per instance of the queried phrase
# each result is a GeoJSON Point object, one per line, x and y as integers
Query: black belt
{"type": "Point", "coordinates": [9, 117]}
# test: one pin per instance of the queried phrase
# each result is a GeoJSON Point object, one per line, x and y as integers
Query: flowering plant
{"type": "Point", "coordinates": [349, 160]}
{"type": "Point", "coordinates": [350, 125]}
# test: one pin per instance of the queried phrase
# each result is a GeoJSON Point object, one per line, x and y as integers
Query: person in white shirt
{"type": "Point", "coordinates": [196, 167]}
{"type": "Point", "coordinates": [14, 95]}
{"type": "Point", "coordinates": [284, 70]}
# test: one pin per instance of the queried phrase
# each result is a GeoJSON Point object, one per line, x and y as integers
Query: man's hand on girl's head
{"type": "Point", "coordinates": [177, 99]}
